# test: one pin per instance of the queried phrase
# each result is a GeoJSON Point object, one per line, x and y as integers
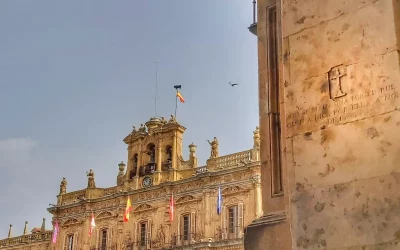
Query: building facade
{"type": "Point", "coordinates": [329, 82]}
{"type": "Point", "coordinates": [154, 172]}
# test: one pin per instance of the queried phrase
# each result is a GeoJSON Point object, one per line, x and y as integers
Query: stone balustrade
{"type": "Point", "coordinates": [26, 239]}
{"type": "Point", "coordinates": [233, 160]}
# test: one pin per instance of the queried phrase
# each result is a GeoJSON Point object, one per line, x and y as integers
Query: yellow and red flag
{"type": "Point", "coordinates": [128, 209]}
{"type": "Point", "coordinates": [171, 208]}
{"type": "Point", "coordinates": [92, 225]}
{"type": "Point", "coordinates": [179, 95]}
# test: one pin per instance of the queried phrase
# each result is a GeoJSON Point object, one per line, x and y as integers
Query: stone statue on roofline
{"type": "Point", "coordinates": [256, 137]}
{"type": "Point", "coordinates": [142, 128]}
{"type": "Point", "coordinates": [63, 186]}
{"type": "Point", "coordinates": [90, 176]}
{"type": "Point", "coordinates": [214, 148]}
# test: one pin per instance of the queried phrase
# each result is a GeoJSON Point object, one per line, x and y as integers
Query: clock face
{"type": "Point", "coordinates": [147, 181]}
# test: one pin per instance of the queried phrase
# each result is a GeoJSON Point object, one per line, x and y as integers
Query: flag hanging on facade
{"type": "Point", "coordinates": [92, 225]}
{"type": "Point", "coordinates": [127, 210]}
{"type": "Point", "coordinates": [179, 95]}
{"type": "Point", "coordinates": [219, 201]}
{"type": "Point", "coordinates": [55, 232]}
{"type": "Point", "coordinates": [171, 208]}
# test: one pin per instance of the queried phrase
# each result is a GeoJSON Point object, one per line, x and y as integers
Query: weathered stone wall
{"type": "Point", "coordinates": [342, 87]}
{"type": "Point", "coordinates": [339, 72]}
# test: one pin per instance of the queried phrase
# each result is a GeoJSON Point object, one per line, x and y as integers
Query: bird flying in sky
{"type": "Point", "coordinates": [233, 84]}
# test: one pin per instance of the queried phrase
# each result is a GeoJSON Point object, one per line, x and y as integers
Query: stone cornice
{"type": "Point", "coordinates": [269, 220]}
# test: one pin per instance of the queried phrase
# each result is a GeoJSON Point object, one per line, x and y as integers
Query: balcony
{"type": "Point", "coordinates": [147, 169]}
{"type": "Point", "coordinates": [253, 27]}
{"type": "Point", "coordinates": [27, 239]}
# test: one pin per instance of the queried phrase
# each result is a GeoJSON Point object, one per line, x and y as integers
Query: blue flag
{"type": "Point", "coordinates": [219, 201]}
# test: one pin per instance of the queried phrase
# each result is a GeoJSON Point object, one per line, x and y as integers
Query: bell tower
{"type": "Point", "coordinates": [155, 154]}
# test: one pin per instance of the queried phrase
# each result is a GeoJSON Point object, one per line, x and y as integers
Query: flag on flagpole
{"type": "Point", "coordinates": [219, 201]}
{"type": "Point", "coordinates": [179, 95]}
{"type": "Point", "coordinates": [55, 232]}
{"type": "Point", "coordinates": [127, 210]}
{"type": "Point", "coordinates": [92, 225]}
{"type": "Point", "coordinates": [171, 208]}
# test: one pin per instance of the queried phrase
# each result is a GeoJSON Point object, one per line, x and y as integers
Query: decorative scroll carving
{"type": "Point", "coordinates": [104, 215]}
{"type": "Point", "coordinates": [70, 222]}
{"type": "Point", "coordinates": [143, 208]}
{"type": "Point", "coordinates": [185, 199]}
{"type": "Point", "coordinates": [233, 190]}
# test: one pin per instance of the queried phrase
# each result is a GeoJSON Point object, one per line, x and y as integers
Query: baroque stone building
{"type": "Point", "coordinates": [329, 82]}
{"type": "Point", "coordinates": [156, 170]}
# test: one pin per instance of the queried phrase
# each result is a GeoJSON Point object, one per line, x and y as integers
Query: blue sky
{"type": "Point", "coordinates": [76, 75]}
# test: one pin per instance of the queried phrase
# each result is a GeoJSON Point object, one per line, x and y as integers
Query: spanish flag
{"type": "Point", "coordinates": [178, 94]}
{"type": "Point", "coordinates": [171, 208]}
{"type": "Point", "coordinates": [127, 210]}
{"type": "Point", "coordinates": [92, 225]}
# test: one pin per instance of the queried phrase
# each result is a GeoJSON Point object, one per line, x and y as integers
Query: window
{"type": "Point", "coordinates": [103, 240]}
{"type": "Point", "coordinates": [70, 242]}
{"type": "Point", "coordinates": [186, 227]}
{"type": "Point", "coordinates": [232, 222]}
{"type": "Point", "coordinates": [143, 234]}
{"type": "Point", "coordinates": [232, 219]}
{"type": "Point", "coordinates": [274, 101]}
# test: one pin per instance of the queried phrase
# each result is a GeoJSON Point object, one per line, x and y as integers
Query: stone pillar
{"type": "Point", "coordinates": [130, 162]}
{"type": "Point", "coordinates": [157, 178]}
{"type": "Point", "coordinates": [85, 232]}
{"type": "Point", "coordinates": [159, 156]}
{"type": "Point", "coordinates": [257, 196]}
{"type": "Point", "coordinates": [174, 158]}
{"type": "Point", "coordinates": [139, 164]}
{"type": "Point", "coordinates": [208, 230]}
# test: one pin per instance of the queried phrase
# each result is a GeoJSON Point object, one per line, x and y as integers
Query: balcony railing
{"type": "Point", "coordinates": [150, 168]}
{"type": "Point", "coordinates": [233, 160]}
{"type": "Point", "coordinates": [160, 242]}
{"type": "Point", "coordinates": [201, 170]}
{"type": "Point", "coordinates": [26, 239]}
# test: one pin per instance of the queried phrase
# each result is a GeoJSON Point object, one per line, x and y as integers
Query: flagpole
{"type": "Point", "coordinates": [176, 101]}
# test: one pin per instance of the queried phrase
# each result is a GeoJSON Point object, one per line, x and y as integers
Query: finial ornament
{"type": "Point", "coordinates": [10, 231]}
{"type": "Point", "coordinates": [63, 186]}
{"type": "Point", "coordinates": [90, 176]}
{"type": "Point", "coordinates": [214, 148]}
{"type": "Point", "coordinates": [26, 228]}
{"type": "Point", "coordinates": [43, 228]}
{"type": "Point", "coordinates": [256, 137]}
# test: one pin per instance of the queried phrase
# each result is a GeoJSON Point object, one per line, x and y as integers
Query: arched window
{"type": "Point", "coordinates": [151, 150]}
{"type": "Point", "coordinates": [168, 150]}
{"type": "Point", "coordinates": [134, 166]}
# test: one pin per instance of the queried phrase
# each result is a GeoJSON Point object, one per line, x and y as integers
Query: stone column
{"type": "Point", "coordinates": [208, 230]}
{"type": "Point", "coordinates": [174, 158]}
{"type": "Point", "coordinates": [159, 156]}
{"type": "Point", "coordinates": [26, 228]}
{"type": "Point", "coordinates": [85, 232]}
{"type": "Point", "coordinates": [130, 163]}
{"type": "Point", "coordinates": [257, 196]}
{"type": "Point", "coordinates": [157, 178]}
{"type": "Point", "coordinates": [139, 164]}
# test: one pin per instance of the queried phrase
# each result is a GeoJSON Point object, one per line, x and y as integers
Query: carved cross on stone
{"type": "Point", "coordinates": [335, 77]}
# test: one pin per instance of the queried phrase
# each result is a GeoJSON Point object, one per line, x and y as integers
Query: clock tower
{"type": "Point", "coordinates": [155, 154]}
